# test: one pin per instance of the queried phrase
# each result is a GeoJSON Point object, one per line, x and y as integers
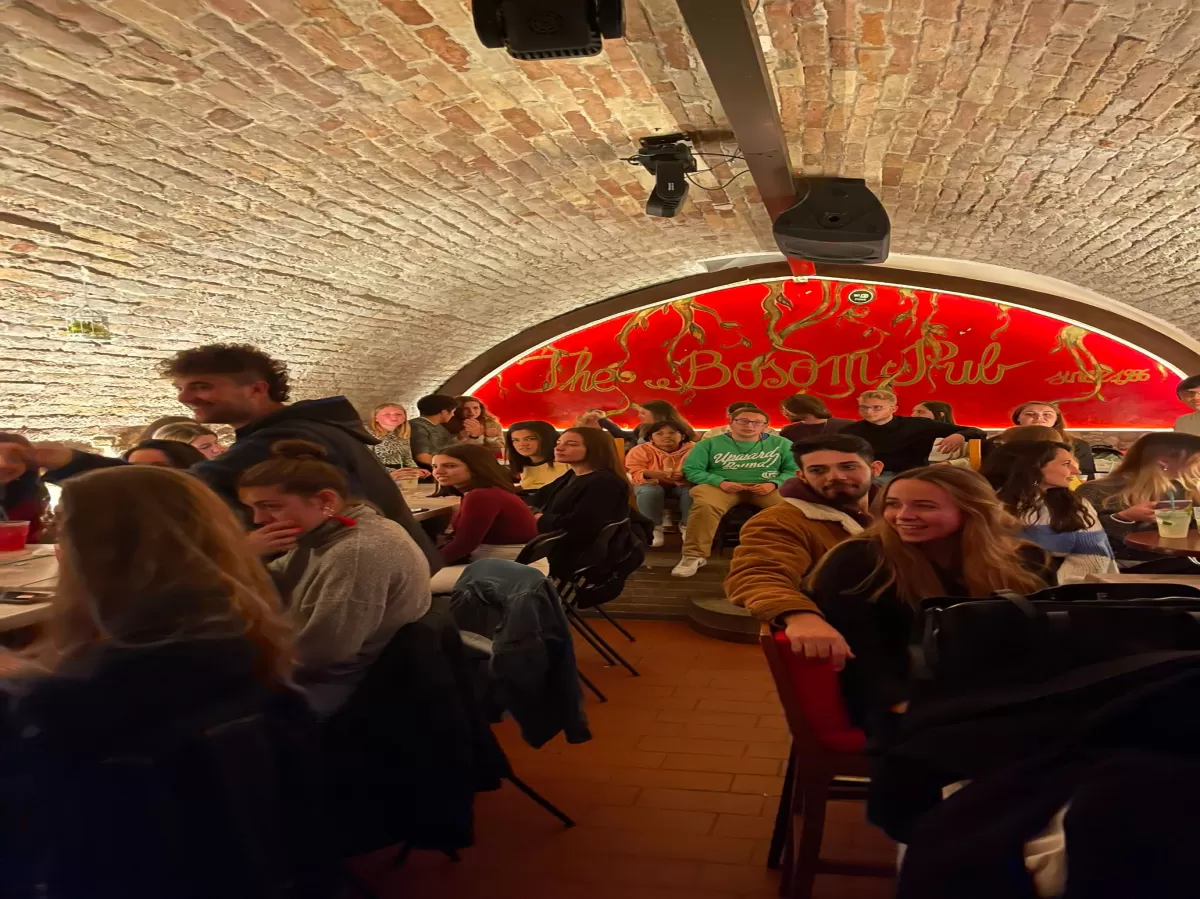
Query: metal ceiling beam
{"type": "Point", "coordinates": [727, 39]}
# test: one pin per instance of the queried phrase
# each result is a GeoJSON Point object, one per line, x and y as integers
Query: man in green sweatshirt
{"type": "Point", "coordinates": [746, 465]}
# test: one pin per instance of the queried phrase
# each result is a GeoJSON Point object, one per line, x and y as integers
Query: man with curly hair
{"type": "Point", "coordinates": [241, 386]}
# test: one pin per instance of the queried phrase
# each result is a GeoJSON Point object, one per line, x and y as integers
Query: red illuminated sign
{"type": "Point", "coordinates": [835, 339]}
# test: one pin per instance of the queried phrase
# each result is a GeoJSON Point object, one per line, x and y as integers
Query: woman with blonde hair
{"type": "Point", "coordinates": [190, 432]}
{"type": "Point", "coordinates": [389, 424]}
{"type": "Point", "coordinates": [1159, 468]}
{"type": "Point", "coordinates": [165, 632]}
{"type": "Point", "coordinates": [940, 531]}
{"type": "Point", "coordinates": [148, 557]}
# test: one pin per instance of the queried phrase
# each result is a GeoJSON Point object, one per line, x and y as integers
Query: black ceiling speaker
{"type": "Point", "coordinates": [669, 159]}
{"type": "Point", "coordinates": [838, 220]}
{"type": "Point", "coordinates": [548, 29]}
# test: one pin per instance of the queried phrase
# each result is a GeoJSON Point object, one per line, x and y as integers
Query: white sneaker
{"type": "Point", "coordinates": [688, 566]}
{"type": "Point", "coordinates": [658, 539]}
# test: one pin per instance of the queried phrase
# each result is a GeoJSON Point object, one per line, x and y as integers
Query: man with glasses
{"type": "Point", "coordinates": [901, 442]}
{"type": "Point", "coordinates": [747, 465]}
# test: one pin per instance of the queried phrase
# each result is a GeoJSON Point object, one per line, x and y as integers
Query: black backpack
{"type": "Point", "coordinates": [1012, 639]}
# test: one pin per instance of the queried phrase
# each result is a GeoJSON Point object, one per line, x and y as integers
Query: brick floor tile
{"type": "Point", "coordinates": [679, 761]}
{"type": "Point", "coordinates": [767, 751]}
{"type": "Point", "coordinates": [712, 719]}
{"type": "Point", "coordinates": [639, 818]}
{"type": "Point", "coordinates": [737, 708]}
{"type": "Point", "coordinates": [743, 879]}
{"type": "Point", "coordinates": [752, 827]}
{"type": "Point", "coordinates": [677, 780]}
{"type": "Point", "coordinates": [757, 783]}
{"type": "Point", "coordinates": [686, 846]}
{"type": "Point", "coordinates": [700, 800]}
{"type": "Point", "coordinates": [693, 745]}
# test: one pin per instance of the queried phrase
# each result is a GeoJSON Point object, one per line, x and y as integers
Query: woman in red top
{"type": "Point", "coordinates": [492, 521]}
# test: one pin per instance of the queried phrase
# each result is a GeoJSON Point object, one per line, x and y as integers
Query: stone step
{"type": "Point", "coordinates": [722, 620]}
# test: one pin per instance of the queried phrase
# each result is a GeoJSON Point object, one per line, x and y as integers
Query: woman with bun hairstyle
{"type": "Point", "coordinates": [349, 577]}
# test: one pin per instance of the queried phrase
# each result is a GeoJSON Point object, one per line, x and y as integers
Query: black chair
{"type": "Point", "coordinates": [730, 527]}
{"type": "Point", "coordinates": [587, 579]}
{"type": "Point", "coordinates": [409, 751]}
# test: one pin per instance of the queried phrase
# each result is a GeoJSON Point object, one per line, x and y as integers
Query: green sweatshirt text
{"type": "Point", "coordinates": [751, 462]}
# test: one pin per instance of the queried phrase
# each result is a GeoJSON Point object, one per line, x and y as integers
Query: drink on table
{"type": "Point", "coordinates": [13, 535]}
{"type": "Point", "coordinates": [1173, 523]}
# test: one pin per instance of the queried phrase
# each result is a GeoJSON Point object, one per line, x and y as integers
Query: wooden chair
{"type": "Point", "coordinates": [827, 762]}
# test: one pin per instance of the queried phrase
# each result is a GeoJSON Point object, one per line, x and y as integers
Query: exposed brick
{"type": "Point", "coordinates": [410, 12]}
{"type": "Point", "coordinates": [325, 176]}
{"type": "Point", "coordinates": [229, 119]}
{"type": "Point", "coordinates": [292, 50]}
{"type": "Point", "coordinates": [38, 26]}
{"type": "Point", "coordinates": [445, 47]}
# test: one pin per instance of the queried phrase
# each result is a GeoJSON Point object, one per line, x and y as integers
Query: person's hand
{"type": "Point", "coordinates": [732, 487]}
{"type": "Point", "coordinates": [1142, 512]}
{"type": "Point", "coordinates": [35, 455]}
{"type": "Point", "coordinates": [952, 443]}
{"type": "Point", "coordinates": [813, 637]}
{"type": "Point", "coordinates": [472, 428]}
{"type": "Point", "coordinates": [270, 539]}
{"type": "Point", "coordinates": [761, 489]}
{"type": "Point", "coordinates": [653, 474]}
{"type": "Point", "coordinates": [537, 516]}
{"type": "Point", "coordinates": [406, 474]}
{"type": "Point", "coordinates": [589, 419]}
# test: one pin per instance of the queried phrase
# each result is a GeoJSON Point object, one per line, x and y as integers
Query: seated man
{"type": "Point", "coordinates": [899, 441]}
{"type": "Point", "coordinates": [745, 465]}
{"type": "Point", "coordinates": [428, 432]}
{"type": "Point", "coordinates": [825, 504]}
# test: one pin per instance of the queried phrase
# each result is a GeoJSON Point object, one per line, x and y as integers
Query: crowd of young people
{"type": "Point", "coordinates": [318, 487]}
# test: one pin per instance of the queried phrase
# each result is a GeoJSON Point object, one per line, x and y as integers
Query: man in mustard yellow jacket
{"type": "Point", "coordinates": [825, 503]}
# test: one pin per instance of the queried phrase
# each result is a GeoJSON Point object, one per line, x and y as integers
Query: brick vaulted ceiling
{"type": "Point", "coordinates": [359, 187]}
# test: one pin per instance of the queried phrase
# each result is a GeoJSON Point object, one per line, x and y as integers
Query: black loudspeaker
{"type": "Point", "coordinates": [838, 220]}
{"type": "Point", "coordinates": [548, 29]}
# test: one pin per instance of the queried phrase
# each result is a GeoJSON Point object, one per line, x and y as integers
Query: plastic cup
{"type": "Point", "coordinates": [1173, 523]}
{"type": "Point", "coordinates": [13, 535]}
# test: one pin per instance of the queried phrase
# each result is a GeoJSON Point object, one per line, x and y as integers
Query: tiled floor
{"type": "Point", "coordinates": [674, 797]}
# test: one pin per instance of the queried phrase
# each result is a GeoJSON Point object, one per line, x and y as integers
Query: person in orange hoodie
{"type": "Point", "coordinates": [824, 504]}
{"type": "Point", "coordinates": [656, 468]}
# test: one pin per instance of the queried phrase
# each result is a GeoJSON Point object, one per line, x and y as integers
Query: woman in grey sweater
{"type": "Point", "coordinates": [350, 577]}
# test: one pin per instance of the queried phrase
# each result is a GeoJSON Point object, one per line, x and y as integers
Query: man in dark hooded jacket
{"type": "Point", "coordinates": [241, 386]}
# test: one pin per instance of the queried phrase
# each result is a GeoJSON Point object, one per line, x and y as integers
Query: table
{"type": "Point", "coordinates": [1151, 542]}
{"type": "Point", "coordinates": [433, 505]}
{"type": "Point", "coordinates": [34, 568]}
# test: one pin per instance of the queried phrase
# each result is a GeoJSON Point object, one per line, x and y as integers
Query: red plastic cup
{"type": "Point", "coordinates": [13, 535]}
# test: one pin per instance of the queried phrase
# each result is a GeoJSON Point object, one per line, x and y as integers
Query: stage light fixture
{"type": "Point", "coordinates": [548, 29]}
{"type": "Point", "coordinates": [669, 159]}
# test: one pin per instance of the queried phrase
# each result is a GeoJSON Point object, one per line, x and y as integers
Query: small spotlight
{"type": "Point", "coordinates": [669, 159]}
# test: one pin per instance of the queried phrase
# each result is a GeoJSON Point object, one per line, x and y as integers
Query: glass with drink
{"type": "Point", "coordinates": [1173, 522]}
{"type": "Point", "coordinates": [13, 535]}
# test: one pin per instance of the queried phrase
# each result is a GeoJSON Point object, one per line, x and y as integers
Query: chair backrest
{"type": "Point", "coordinates": [601, 570]}
{"type": "Point", "coordinates": [811, 698]}
{"type": "Point", "coordinates": [539, 547]}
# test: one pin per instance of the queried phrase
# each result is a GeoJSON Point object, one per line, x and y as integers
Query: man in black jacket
{"type": "Point", "coordinates": [900, 442]}
{"type": "Point", "coordinates": [239, 385]}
